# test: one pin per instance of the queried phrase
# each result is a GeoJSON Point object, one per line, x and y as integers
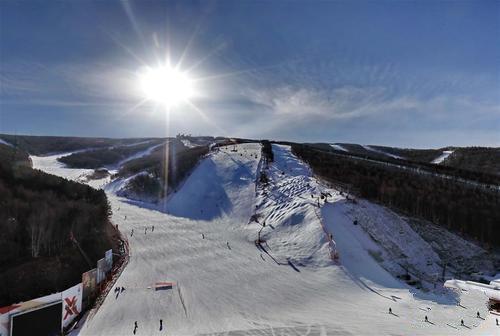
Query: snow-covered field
{"type": "Point", "coordinates": [49, 164]}
{"type": "Point", "coordinates": [225, 284]}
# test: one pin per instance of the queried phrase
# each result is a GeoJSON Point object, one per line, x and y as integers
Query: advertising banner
{"type": "Point", "coordinates": [101, 270]}
{"type": "Point", "coordinates": [7, 311]}
{"type": "Point", "coordinates": [109, 260]}
{"type": "Point", "coordinates": [89, 283]}
{"type": "Point", "coordinates": [42, 320]}
{"type": "Point", "coordinates": [72, 304]}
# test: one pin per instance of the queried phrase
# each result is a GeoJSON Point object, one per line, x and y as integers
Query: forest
{"type": "Point", "coordinates": [472, 211]}
{"type": "Point", "coordinates": [455, 172]}
{"type": "Point", "coordinates": [421, 155]}
{"type": "Point", "coordinates": [267, 151]}
{"type": "Point", "coordinates": [484, 159]}
{"type": "Point", "coordinates": [43, 145]}
{"type": "Point", "coordinates": [163, 170]}
{"type": "Point", "coordinates": [39, 213]}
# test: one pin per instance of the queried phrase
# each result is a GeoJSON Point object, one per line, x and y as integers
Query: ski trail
{"type": "Point", "coordinates": [373, 149]}
{"type": "Point", "coordinates": [234, 291]}
{"type": "Point", "coordinates": [442, 157]}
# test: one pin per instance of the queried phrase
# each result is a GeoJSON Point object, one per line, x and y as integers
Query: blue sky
{"type": "Point", "coordinates": [401, 73]}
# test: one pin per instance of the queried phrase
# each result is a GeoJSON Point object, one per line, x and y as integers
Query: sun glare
{"type": "Point", "coordinates": [166, 85]}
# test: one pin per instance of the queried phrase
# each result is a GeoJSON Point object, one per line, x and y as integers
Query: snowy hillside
{"type": "Point", "coordinates": [371, 148]}
{"type": "Point", "coordinates": [204, 241]}
{"type": "Point", "coordinates": [442, 157]}
{"type": "Point", "coordinates": [3, 142]}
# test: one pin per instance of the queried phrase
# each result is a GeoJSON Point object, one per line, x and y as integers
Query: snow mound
{"type": "Point", "coordinates": [293, 230]}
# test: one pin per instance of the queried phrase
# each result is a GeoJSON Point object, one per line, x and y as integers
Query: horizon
{"type": "Point", "coordinates": [235, 137]}
{"type": "Point", "coordinates": [400, 74]}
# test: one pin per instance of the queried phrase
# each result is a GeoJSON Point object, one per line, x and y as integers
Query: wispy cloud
{"type": "Point", "coordinates": [302, 111]}
{"type": "Point", "coordinates": [67, 85]}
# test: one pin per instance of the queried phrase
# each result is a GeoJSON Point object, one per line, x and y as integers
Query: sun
{"type": "Point", "coordinates": [166, 85]}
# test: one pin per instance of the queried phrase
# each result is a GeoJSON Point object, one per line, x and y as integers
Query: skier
{"type": "Point", "coordinates": [117, 292]}
{"type": "Point", "coordinates": [135, 327]}
{"type": "Point", "coordinates": [390, 310]}
{"type": "Point", "coordinates": [161, 324]}
{"type": "Point", "coordinates": [123, 289]}
{"type": "Point", "coordinates": [202, 236]}
{"type": "Point", "coordinates": [461, 322]}
{"type": "Point", "coordinates": [132, 233]}
{"type": "Point", "coordinates": [152, 228]}
{"type": "Point", "coordinates": [497, 321]}
{"type": "Point", "coordinates": [229, 247]}
{"type": "Point", "coordinates": [426, 319]}
{"type": "Point", "coordinates": [145, 229]}
{"type": "Point", "coordinates": [478, 315]}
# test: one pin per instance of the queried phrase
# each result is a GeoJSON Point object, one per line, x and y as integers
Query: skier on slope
{"type": "Point", "coordinates": [132, 233]}
{"type": "Point", "coordinates": [152, 228]}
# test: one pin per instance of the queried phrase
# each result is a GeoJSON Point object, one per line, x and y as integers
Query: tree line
{"type": "Point", "coordinates": [471, 211]}
{"type": "Point", "coordinates": [484, 159]}
{"type": "Point", "coordinates": [39, 214]}
{"type": "Point", "coordinates": [164, 169]}
{"type": "Point", "coordinates": [455, 172]}
{"type": "Point", "coordinates": [41, 145]}
{"type": "Point", "coordinates": [267, 151]}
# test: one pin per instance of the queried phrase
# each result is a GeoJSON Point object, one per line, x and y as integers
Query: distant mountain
{"type": "Point", "coordinates": [479, 159]}
{"type": "Point", "coordinates": [43, 145]}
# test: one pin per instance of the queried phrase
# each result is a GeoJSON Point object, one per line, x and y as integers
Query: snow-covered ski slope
{"type": "Point", "coordinates": [373, 149]}
{"type": "Point", "coordinates": [442, 157]}
{"type": "Point", "coordinates": [339, 147]}
{"type": "Point", "coordinates": [3, 142]}
{"type": "Point", "coordinates": [225, 284]}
